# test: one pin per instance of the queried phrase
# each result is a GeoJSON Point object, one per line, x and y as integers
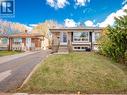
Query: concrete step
{"type": "Point", "coordinates": [63, 49]}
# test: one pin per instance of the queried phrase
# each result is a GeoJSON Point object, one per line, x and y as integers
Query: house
{"type": "Point", "coordinates": [23, 41]}
{"type": "Point", "coordinates": [75, 39]}
{"type": "Point", "coordinates": [45, 43]}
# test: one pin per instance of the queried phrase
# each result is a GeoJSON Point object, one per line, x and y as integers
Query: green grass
{"type": "Point", "coordinates": [84, 72]}
{"type": "Point", "coordinates": [4, 53]}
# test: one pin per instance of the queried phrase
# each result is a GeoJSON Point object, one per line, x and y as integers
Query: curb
{"type": "Point", "coordinates": [31, 73]}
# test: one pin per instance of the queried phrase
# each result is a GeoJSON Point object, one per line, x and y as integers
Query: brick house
{"type": "Point", "coordinates": [75, 39]}
{"type": "Point", "coordinates": [23, 41]}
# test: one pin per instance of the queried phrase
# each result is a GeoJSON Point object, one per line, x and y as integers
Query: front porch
{"type": "Point", "coordinates": [75, 39]}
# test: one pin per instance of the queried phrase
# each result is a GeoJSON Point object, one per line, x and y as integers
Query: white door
{"type": "Point", "coordinates": [63, 38]}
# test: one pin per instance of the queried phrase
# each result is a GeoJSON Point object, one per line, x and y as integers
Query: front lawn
{"type": "Point", "coordinates": [4, 53]}
{"type": "Point", "coordinates": [84, 72]}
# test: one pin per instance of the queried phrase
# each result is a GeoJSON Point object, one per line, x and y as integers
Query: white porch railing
{"type": "Point", "coordinates": [17, 47]}
{"type": "Point", "coordinates": [3, 46]}
{"type": "Point", "coordinates": [63, 43]}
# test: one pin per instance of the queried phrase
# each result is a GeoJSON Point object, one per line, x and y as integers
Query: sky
{"type": "Point", "coordinates": [68, 12]}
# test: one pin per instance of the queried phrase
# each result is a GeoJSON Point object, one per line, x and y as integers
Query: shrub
{"type": "Point", "coordinates": [114, 42]}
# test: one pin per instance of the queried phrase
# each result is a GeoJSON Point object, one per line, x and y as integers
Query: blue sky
{"type": "Point", "coordinates": [37, 11]}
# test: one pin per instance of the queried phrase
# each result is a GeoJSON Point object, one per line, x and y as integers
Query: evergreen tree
{"type": "Point", "coordinates": [115, 44]}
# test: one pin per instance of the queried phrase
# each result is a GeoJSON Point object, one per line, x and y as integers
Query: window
{"type": "Point", "coordinates": [97, 36]}
{"type": "Point", "coordinates": [80, 36]}
{"type": "Point", "coordinates": [80, 48]}
{"type": "Point", "coordinates": [17, 39]}
{"type": "Point", "coordinates": [4, 40]}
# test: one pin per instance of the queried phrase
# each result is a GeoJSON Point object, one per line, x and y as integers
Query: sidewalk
{"type": "Point", "coordinates": [15, 56]}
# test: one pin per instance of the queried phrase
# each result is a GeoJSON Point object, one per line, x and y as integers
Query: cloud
{"type": "Point", "coordinates": [70, 23]}
{"type": "Point", "coordinates": [32, 25]}
{"type": "Point", "coordinates": [81, 2]}
{"type": "Point", "coordinates": [110, 19]}
{"type": "Point", "coordinates": [3, 0]}
{"type": "Point", "coordinates": [89, 23]}
{"type": "Point", "coordinates": [28, 27]}
{"type": "Point", "coordinates": [124, 2]}
{"type": "Point", "coordinates": [57, 3]}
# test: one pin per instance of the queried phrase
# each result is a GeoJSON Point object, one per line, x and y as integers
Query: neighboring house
{"type": "Point", "coordinates": [75, 39]}
{"type": "Point", "coordinates": [45, 43]}
{"type": "Point", "coordinates": [23, 42]}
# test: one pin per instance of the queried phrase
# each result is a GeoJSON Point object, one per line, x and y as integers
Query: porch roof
{"type": "Point", "coordinates": [75, 29]}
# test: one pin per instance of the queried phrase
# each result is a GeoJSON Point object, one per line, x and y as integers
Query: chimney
{"type": "Point", "coordinates": [25, 31]}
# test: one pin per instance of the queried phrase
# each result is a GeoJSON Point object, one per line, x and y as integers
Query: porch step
{"type": "Point", "coordinates": [63, 49]}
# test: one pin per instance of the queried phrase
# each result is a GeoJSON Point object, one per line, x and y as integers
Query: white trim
{"type": "Point", "coordinates": [93, 37]}
{"type": "Point", "coordinates": [61, 43]}
{"type": "Point", "coordinates": [61, 36]}
{"type": "Point", "coordinates": [95, 43]}
{"type": "Point", "coordinates": [81, 43]}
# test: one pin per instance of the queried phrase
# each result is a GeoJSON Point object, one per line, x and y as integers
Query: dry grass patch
{"type": "Point", "coordinates": [85, 72]}
{"type": "Point", "coordinates": [5, 53]}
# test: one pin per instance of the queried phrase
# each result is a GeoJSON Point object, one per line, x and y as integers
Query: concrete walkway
{"type": "Point", "coordinates": [15, 70]}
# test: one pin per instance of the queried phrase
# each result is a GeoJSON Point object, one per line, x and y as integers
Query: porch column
{"type": "Point", "coordinates": [55, 41]}
{"type": "Point", "coordinates": [0, 41]}
{"type": "Point", "coordinates": [10, 44]}
{"type": "Point", "coordinates": [37, 43]}
{"type": "Point", "coordinates": [24, 41]}
{"type": "Point", "coordinates": [55, 38]}
{"type": "Point", "coordinates": [69, 41]}
{"type": "Point", "coordinates": [91, 39]}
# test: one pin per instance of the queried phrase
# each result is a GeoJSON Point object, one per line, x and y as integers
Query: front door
{"type": "Point", "coordinates": [63, 38]}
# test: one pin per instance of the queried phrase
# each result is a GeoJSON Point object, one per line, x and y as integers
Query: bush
{"type": "Point", "coordinates": [114, 42]}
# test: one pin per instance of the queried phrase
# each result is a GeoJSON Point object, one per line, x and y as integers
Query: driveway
{"type": "Point", "coordinates": [14, 72]}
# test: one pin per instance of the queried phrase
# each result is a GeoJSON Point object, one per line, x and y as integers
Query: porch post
{"type": "Point", "coordinates": [37, 43]}
{"type": "Point", "coordinates": [24, 41]}
{"type": "Point", "coordinates": [10, 44]}
{"type": "Point", "coordinates": [69, 41]}
{"type": "Point", "coordinates": [91, 39]}
{"type": "Point", "coordinates": [24, 44]}
{"type": "Point", "coordinates": [53, 38]}
{"type": "Point", "coordinates": [55, 41]}
{"type": "Point", "coordinates": [0, 41]}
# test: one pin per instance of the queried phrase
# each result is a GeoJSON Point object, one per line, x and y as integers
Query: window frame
{"type": "Point", "coordinates": [95, 37]}
{"type": "Point", "coordinates": [80, 38]}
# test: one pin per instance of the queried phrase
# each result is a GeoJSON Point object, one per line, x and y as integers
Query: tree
{"type": "Point", "coordinates": [43, 28]}
{"type": "Point", "coordinates": [114, 43]}
{"type": "Point", "coordinates": [11, 28]}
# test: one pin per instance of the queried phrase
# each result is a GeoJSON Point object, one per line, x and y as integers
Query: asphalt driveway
{"type": "Point", "coordinates": [14, 72]}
